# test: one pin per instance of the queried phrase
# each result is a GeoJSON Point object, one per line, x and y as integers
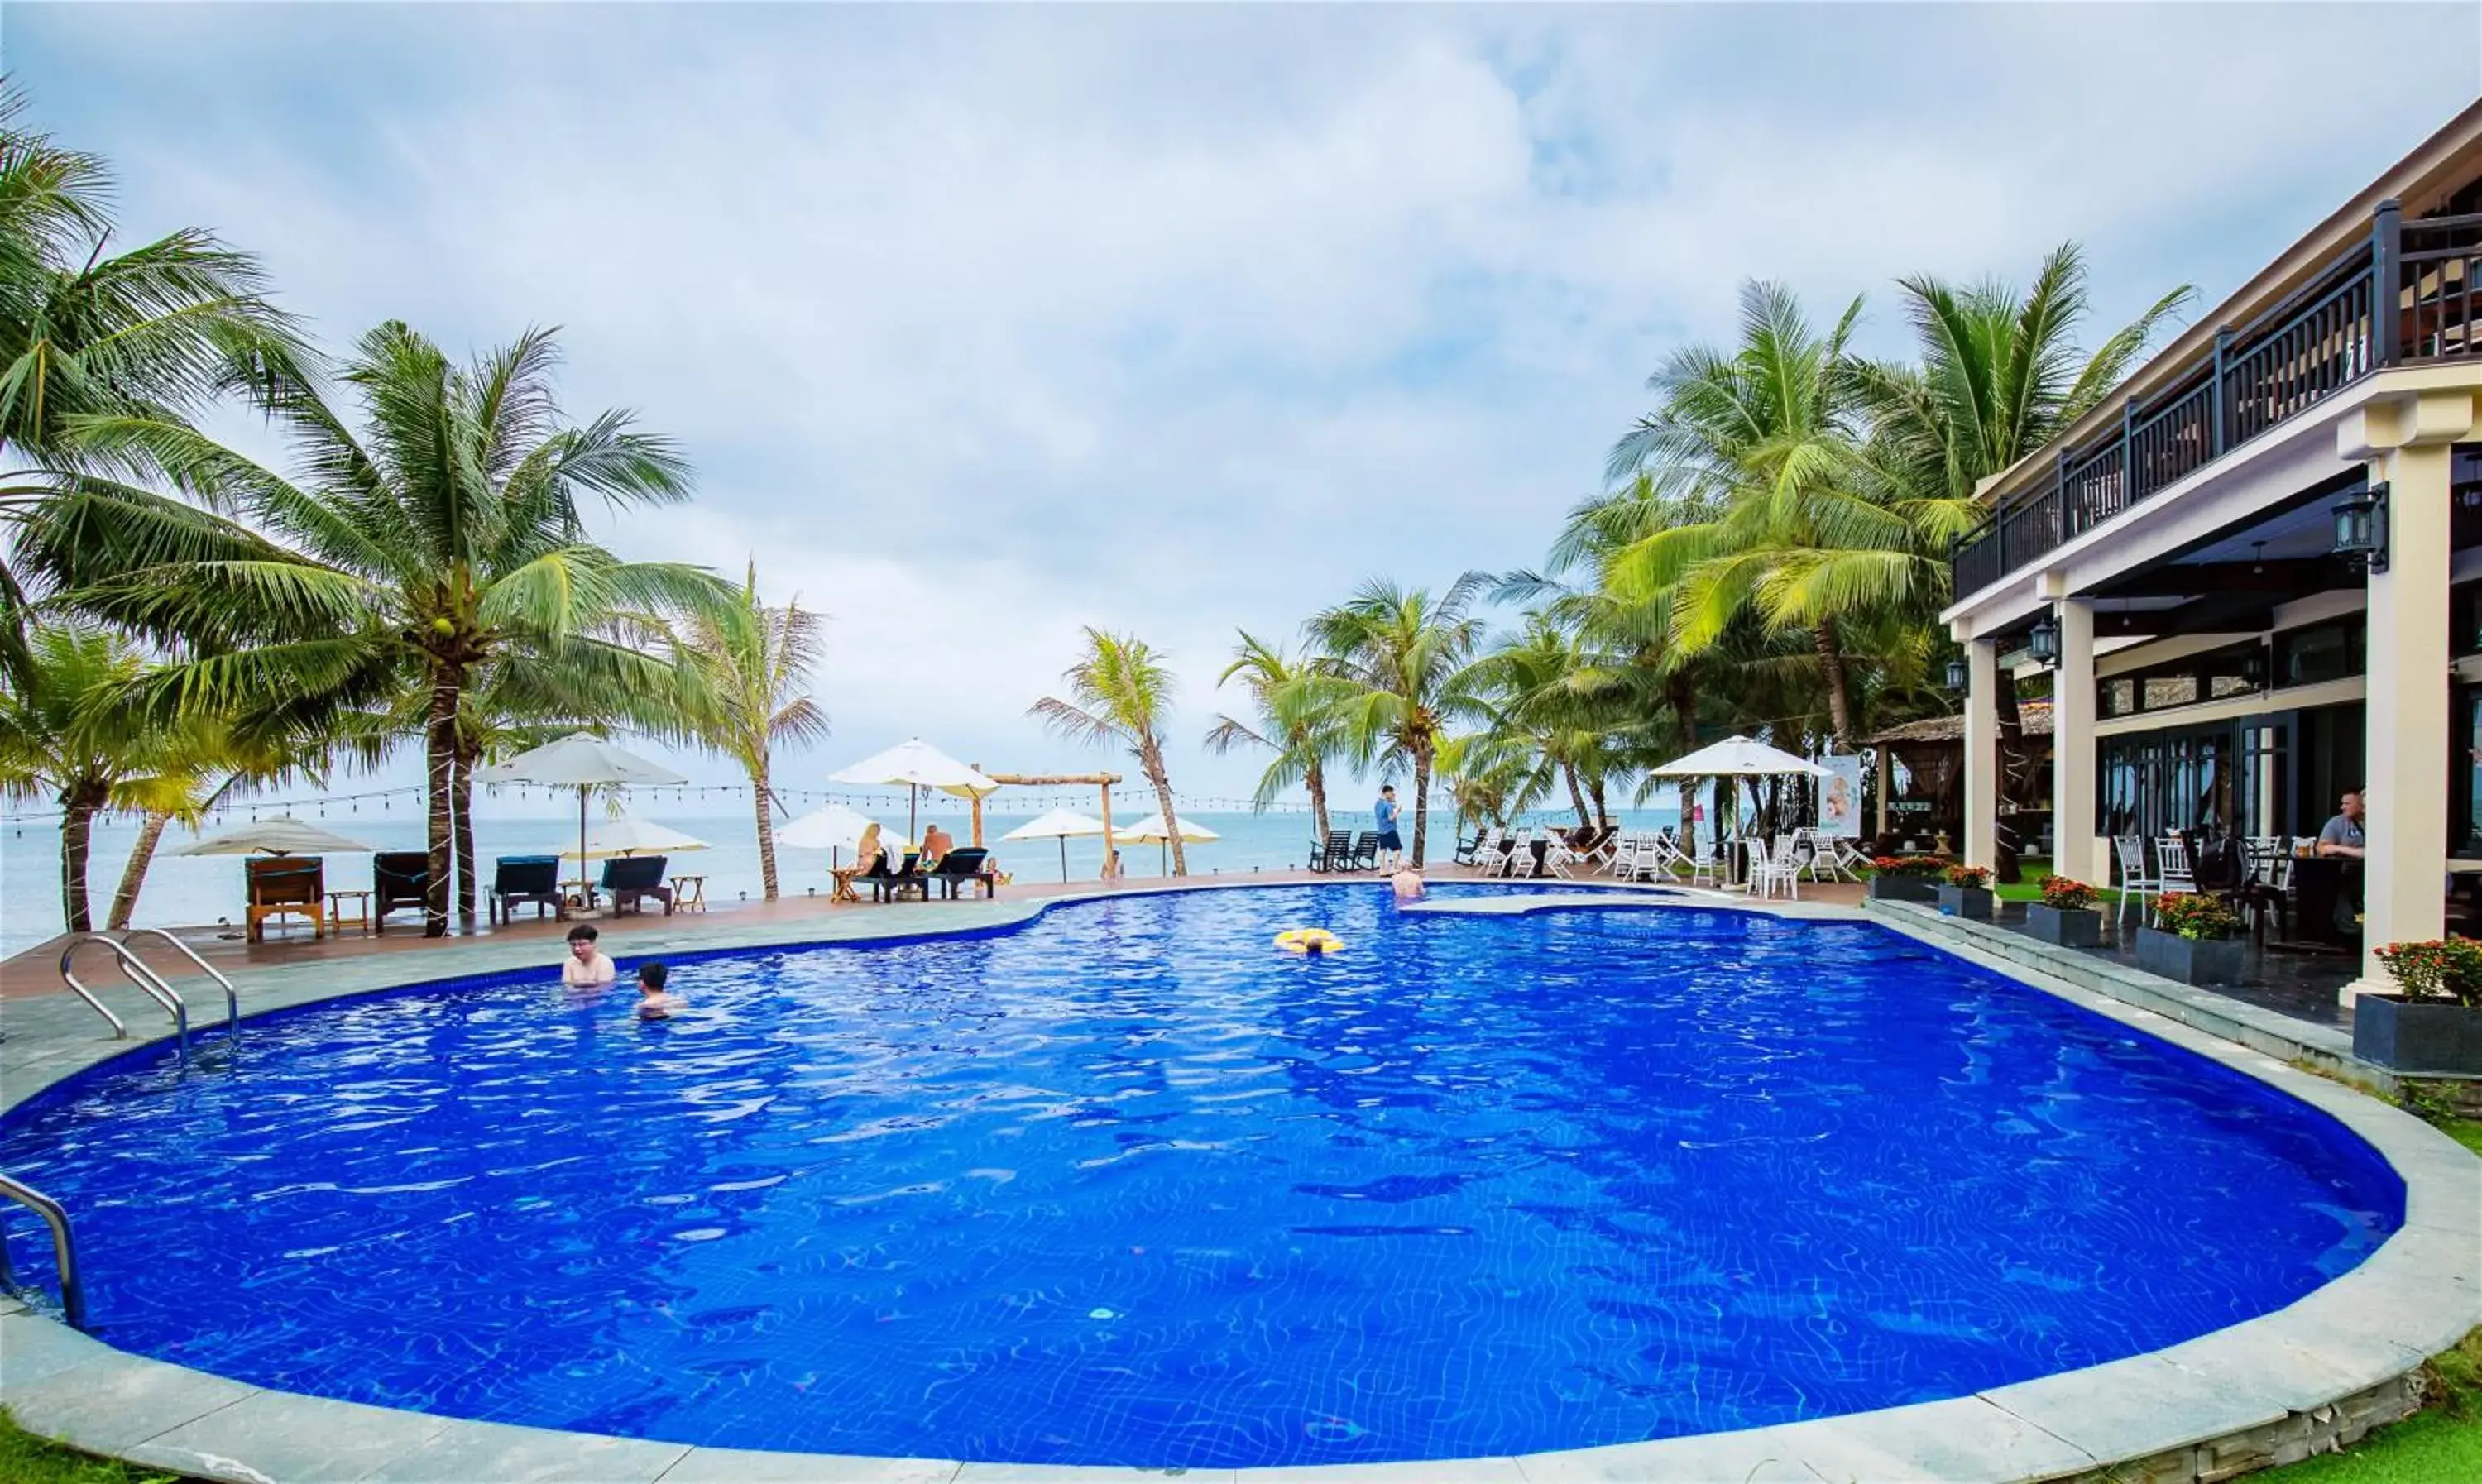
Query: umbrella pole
{"type": "Point", "coordinates": [581, 842]}
{"type": "Point", "coordinates": [1064, 859]}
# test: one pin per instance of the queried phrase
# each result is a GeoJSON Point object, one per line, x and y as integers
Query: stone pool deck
{"type": "Point", "coordinates": [2309, 1377]}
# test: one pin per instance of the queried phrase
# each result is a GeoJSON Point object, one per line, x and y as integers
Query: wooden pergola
{"type": "Point", "coordinates": [1098, 781]}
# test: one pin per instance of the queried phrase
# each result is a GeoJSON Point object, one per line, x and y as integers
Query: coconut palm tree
{"type": "Point", "coordinates": [1399, 657]}
{"type": "Point", "coordinates": [216, 759]}
{"type": "Point", "coordinates": [754, 660]}
{"type": "Point", "coordinates": [158, 332]}
{"type": "Point", "coordinates": [403, 559]}
{"type": "Point", "coordinates": [1801, 525]}
{"type": "Point", "coordinates": [1549, 697]}
{"type": "Point", "coordinates": [1119, 691]}
{"type": "Point", "coordinates": [1295, 721]}
{"type": "Point", "coordinates": [68, 735]}
{"type": "Point", "coordinates": [2000, 375]}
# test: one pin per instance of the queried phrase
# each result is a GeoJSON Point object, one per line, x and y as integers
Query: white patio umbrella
{"type": "Point", "coordinates": [627, 837]}
{"type": "Point", "coordinates": [1735, 757]}
{"type": "Point", "coordinates": [912, 764]}
{"type": "Point", "coordinates": [282, 835]}
{"type": "Point", "coordinates": [1060, 825]}
{"type": "Point", "coordinates": [581, 761]}
{"type": "Point", "coordinates": [832, 828]}
{"type": "Point", "coordinates": [1150, 830]}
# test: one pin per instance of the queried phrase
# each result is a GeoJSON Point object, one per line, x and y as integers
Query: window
{"type": "Point", "coordinates": [2217, 675]}
{"type": "Point", "coordinates": [2322, 652]}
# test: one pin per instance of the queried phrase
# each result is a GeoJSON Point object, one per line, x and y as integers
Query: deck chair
{"type": "Point", "coordinates": [959, 869]}
{"type": "Point", "coordinates": [890, 887]}
{"type": "Point", "coordinates": [521, 879]}
{"type": "Point", "coordinates": [1467, 849]}
{"type": "Point", "coordinates": [1365, 852]}
{"type": "Point", "coordinates": [399, 879]}
{"type": "Point", "coordinates": [285, 886]}
{"type": "Point", "coordinates": [632, 879]}
{"type": "Point", "coordinates": [1335, 855]}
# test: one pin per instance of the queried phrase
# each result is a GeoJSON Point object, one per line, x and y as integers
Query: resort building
{"type": "Point", "coordinates": [2255, 574]}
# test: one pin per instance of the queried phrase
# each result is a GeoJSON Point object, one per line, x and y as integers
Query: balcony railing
{"type": "Point", "coordinates": [2296, 354]}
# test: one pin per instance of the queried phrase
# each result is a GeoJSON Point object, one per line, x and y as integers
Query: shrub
{"type": "Point", "coordinates": [1908, 866]}
{"type": "Point", "coordinates": [2448, 969]}
{"type": "Point", "coordinates": [1974, 878]}
{"type": "Point", "coordinates": [2194, 914]}
{"type": "Point", "coordinates": [2062, 894]}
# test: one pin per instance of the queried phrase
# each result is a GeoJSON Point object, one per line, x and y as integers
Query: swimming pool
{"type": "Point", "coordinates": [1129, 1186]}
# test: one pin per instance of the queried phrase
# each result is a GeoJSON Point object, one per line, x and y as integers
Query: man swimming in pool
{"type": "Point", "coordinates": [587, 966]}
{"type": "Point", "coordinates": [654, 1003]}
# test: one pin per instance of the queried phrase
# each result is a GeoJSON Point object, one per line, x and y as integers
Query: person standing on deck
{"type": "Point", "coordinates": [1391, 845]}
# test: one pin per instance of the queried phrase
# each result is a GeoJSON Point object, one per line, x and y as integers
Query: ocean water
{"type": "Point", "coordinates": [197, 890]}
{"type": "Point", "coordinates": [1131, 1187]}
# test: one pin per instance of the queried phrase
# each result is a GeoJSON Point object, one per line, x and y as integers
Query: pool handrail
{"type": "Point", "coordinates": [133, 968]}
{"type": "Point", "coordinates": [64, 1248]}
{"type": "Point", "coordinates": [233, 1000]}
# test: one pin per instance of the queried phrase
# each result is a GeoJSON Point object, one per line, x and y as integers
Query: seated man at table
{"type": "Point", "coordinates": [2343, 835]}
{"type": "Point", "coordinates": [935, 844]}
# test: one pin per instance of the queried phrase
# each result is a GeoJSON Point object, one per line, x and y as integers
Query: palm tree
{"type": "Point", "coordinates": [1801, 524]}
{"type": "Point", "coordinates": [1399, 657]}
{"type": "Point", "coordinates": [201, 751]}
{"type": "Point", "coordinates": [2000, 375]}
{"type": "Point", "coordinates": [405, 560]}
{"type": "Point", "coordinates": [1296, 713]}
{"type": "Point", "coordinates": [159, 331]}
{"type": "Point", "coordinates": [1547, 695]}
{"type": "Point", "coordinates": [67, 733]}
{"type": "Point", "coordinates": [1121, 693]}
{"type": "Point", "coordinates": [754, 660]}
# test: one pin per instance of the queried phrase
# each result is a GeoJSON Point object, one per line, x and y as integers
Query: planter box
{"type": "Point", "coordinates": [2189, 960]}
{"type": "Point", "coordinates": [2075, 927]}
{"type": "Point", "coordinates": [2406, 1035]}
{"type": "Point", "coordinates": [1965, 902]}
{"type": "Point", "coordinates": [1903, 889]}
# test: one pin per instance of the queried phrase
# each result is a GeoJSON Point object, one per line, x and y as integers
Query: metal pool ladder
{"type": "Point", "coordinates": [63, 1248]}
{"type": "Point", "coordinates": [135, 970]}
{"type": "Point", "coordinates": [232, 1001]}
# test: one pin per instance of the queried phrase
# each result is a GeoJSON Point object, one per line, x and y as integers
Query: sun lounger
{"type": "Point", "coordinates": [959, 869]}
{"type": "Point", "coordinates": [891, 887]}
{"type": "Point", "coordinates": [1365, 852]}
{"type": "Point", "coordinates": [521, 879]}
{"type": "Point", "coordinates": [632, 879]}
{"type": "Point", "coordinates": [399, 879]}
{"type": "Point", "coordinates": [285, 886]}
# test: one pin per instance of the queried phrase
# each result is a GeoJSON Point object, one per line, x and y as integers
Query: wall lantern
{"type": "Point", "coordinates": [2362, 528]}
{"type": "Point", "coordinates": [2043, 642]}
{"type": "Point", "coordinates": [1957, 677]}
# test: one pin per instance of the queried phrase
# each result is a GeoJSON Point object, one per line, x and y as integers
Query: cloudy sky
{"type": "Point", "coordinates": [985, 324]}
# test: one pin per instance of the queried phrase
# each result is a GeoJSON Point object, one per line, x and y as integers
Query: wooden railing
{"type": "Point", "coordinates": [2296, 354]}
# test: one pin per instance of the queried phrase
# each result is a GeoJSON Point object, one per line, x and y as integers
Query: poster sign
{"type": "Point", "coordinates": [1839, 798]}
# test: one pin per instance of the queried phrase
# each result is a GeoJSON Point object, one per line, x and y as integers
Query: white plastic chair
{"type": "Point", "coordinates": [1705, 865]}
{"type": "Point", "coordinates": [2136, 883]}
{"type": "Point", "coordinates": [1768, 871]}
{"type": "Point", "coordinates": [2171, 871]}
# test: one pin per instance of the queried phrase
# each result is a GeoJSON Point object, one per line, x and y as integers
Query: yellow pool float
{"type": "Point", "coordinates": [1309, 940]}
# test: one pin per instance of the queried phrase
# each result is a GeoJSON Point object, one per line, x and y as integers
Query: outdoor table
{"type": "Point", "coordinates": [2318, 883]}
{"type": "Point", "coordinates": [844, 876]}
{"type": "Point", "coordinates": [689, 893]}
{"type": "Point", "coordinates": [337, 921]}
{"type": "Point", "coordinates": [580, 893]}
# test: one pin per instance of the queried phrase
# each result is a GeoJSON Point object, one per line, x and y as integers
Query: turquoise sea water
{"type": "Point", "coordinates": [188, 891]}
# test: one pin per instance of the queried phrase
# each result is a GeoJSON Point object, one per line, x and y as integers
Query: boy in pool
{"type": "Point", "coordinates": [587, 966]}
{"type": "Point", "coordinates": [653, 1003]}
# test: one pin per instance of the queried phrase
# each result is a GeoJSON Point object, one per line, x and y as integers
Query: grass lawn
{"type": "Point", "coordinates": [26, 1459]}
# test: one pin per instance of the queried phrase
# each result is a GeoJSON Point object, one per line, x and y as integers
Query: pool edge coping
{"type": "Point", "coordinates": [2341, 1359]}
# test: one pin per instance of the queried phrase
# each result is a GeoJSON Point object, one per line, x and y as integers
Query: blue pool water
{"type": "Point", "coordinates": [1127, 1186]}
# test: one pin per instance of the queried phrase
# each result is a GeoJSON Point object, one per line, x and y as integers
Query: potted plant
{"type": "Point", "coordinates": [2066, 914]}
{"type": "Point", "coordinates": [1903, 878]}
{"type": "Point", "coordinates": [1966, 893]}
{"type": "Point", "coordinates": [2198, 942]}
{"type": "Point", "coordinates": [2434, 1023]}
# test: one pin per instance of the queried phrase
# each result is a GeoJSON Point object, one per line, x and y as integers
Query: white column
{"type": "Point", "coordinates": [2077, 851]}
{"type": "Point", "coordinates": [2404, 880]}
{"type": "Point", "coordinates": [1981, 843]}
{"type": "Point", "coordinates": [2406, 443]}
